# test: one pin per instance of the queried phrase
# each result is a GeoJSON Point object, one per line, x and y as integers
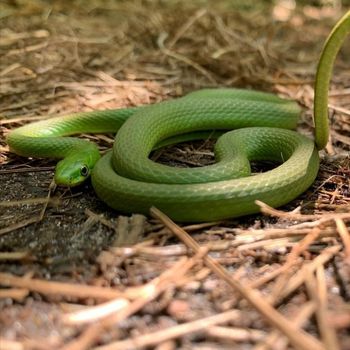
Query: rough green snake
{"type": "Point", "coordinates": [258, 128]}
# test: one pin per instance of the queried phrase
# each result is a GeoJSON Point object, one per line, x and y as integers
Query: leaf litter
{"type": "Point", "coordinates": [76, 275]}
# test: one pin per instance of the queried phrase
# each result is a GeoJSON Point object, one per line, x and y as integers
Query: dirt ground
{"type": "Point", "coordinates": [76, 275]}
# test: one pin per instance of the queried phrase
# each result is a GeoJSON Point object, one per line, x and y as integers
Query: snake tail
{"type": "Point", "coordinates": [329, 53]}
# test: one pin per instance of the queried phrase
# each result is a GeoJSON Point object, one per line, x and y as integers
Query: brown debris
{"type": "Point", "coordinates": [76, 275]}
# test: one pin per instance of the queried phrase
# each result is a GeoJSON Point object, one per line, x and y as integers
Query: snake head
{"type": "Point", "coordinates": [74, 170]}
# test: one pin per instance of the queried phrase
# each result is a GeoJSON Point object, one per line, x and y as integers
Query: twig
{"type": "Point", "coordinates": [44, 200]}
{"type": "Point", "coordinates": [236, 334]}
{"type": "Point", "coordinates": [191, 63]}
{"type": "Point", "coordinates": [149, 291]}
{"type": "Point", "coordinates": [292, 256]}
{"type": "Point", "coordinates": [59, 288]}
{"type": "Point", "coordinates": [188, 228]}
{"type": "Point", "coordinates": [267, 244]}
{"type": "Point", "coordinates": [339, 109]}
{"type": "Point", "coordinates": [298, 279]}
{"type": "Point", "coordinates": [14, 256]}
{"type": "Point", "coordinates": [266, 209]}
{"type": "Point", "coordinates": [18, 225]}
{"type": "Point", "coordinates": [154, 288]}
{"type": "Point", "coordinates": [182, 30]}
{"type": "Point", "coordinates": [313, 287]}
{"type": "Point", "coordinates": [13, 293]}
{"type": "Point", "coordinates": [27, 170]}
{"type": "Point", "coordinates": [11, 344]}
{"type": "Point", "coordinates": [100, 218]}
{"type": "Point", "coordinates": [31, 220]}
{"type": "Point", "coordinates": [26, 49]}
{"type": "Point", "coordinates": [22, 119]}
{"type": "Point", "coordinates": [298, 338]}
{"type": "Point", "coordinates": [95, 313]}
{"type": "Point", "coordinates": [345, 236]}
{"type": "Point", "coordinates": [171, 332]}
{"type": "Point", "coordinates": [275, 336]}
{"type": "Point", "coordinates": [184, 59]}
{"type": "Point", "coordinates": [270, 276]}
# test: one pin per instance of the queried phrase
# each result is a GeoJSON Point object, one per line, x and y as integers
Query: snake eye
{"type": "Point", "coordinates": [84, 171]}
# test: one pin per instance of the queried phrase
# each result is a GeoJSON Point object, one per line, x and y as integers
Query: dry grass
{"type": "Point", "coordinates": [76, 276]}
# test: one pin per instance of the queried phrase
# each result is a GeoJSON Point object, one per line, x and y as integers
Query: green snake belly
{"type": "Point", "coordinates": [127, 180]}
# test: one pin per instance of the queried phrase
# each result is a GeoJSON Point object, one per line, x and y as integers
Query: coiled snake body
{"type": "Point", "coordinates": [127, 180]}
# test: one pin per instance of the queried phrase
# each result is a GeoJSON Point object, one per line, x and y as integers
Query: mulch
{"type": "Point", "coordinates": [76, 275]}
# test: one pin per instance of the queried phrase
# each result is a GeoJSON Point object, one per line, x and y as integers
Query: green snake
{"type": "Point", "coordinates": [258, 128]}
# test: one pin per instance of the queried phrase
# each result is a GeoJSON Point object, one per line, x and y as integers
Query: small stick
{"type": "Point", "coordinates": [155, 288]}
{"type": "Point", "coordinates": [236, 334]}
{"type": "Point", "coordinates": [27, 170]}
{"type": "Point", "coordinates": [345, 236]}
{"type": "Point", "coordinates": [292, 256]}
{"type": "Point", "coordinates": [275, 337]}
{"type": "Point", "coordinates": [30, 220]}
{"type": "Point", "coordinates": [11, 344]}
{"type": "Point", "coordinates": [266, 209]}
{"type": "Point", "coordinates": [270, 276]}
{"type": "Point", "coordinates": [171, 332]}
{"type": "Point", "coordinates": [53, 201]}
{"type": "Point", "coordinates": [15, 256]}
{"type": "Point", "coordinates": [59, 288]}
{"type": "Point", "coordinates": [315, 290]}
{"type": "Point", "coordinates": [14, 293]}
{"type": "Point", "coordinates": [297, 337]}
{"type": "Point", "coordinates": [183, 29]}
{"type": "Point", "coordinates": [298, 279]}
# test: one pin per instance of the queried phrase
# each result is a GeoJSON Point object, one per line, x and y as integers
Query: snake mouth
{"type": "Point", "coordinates": [69, 181]}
